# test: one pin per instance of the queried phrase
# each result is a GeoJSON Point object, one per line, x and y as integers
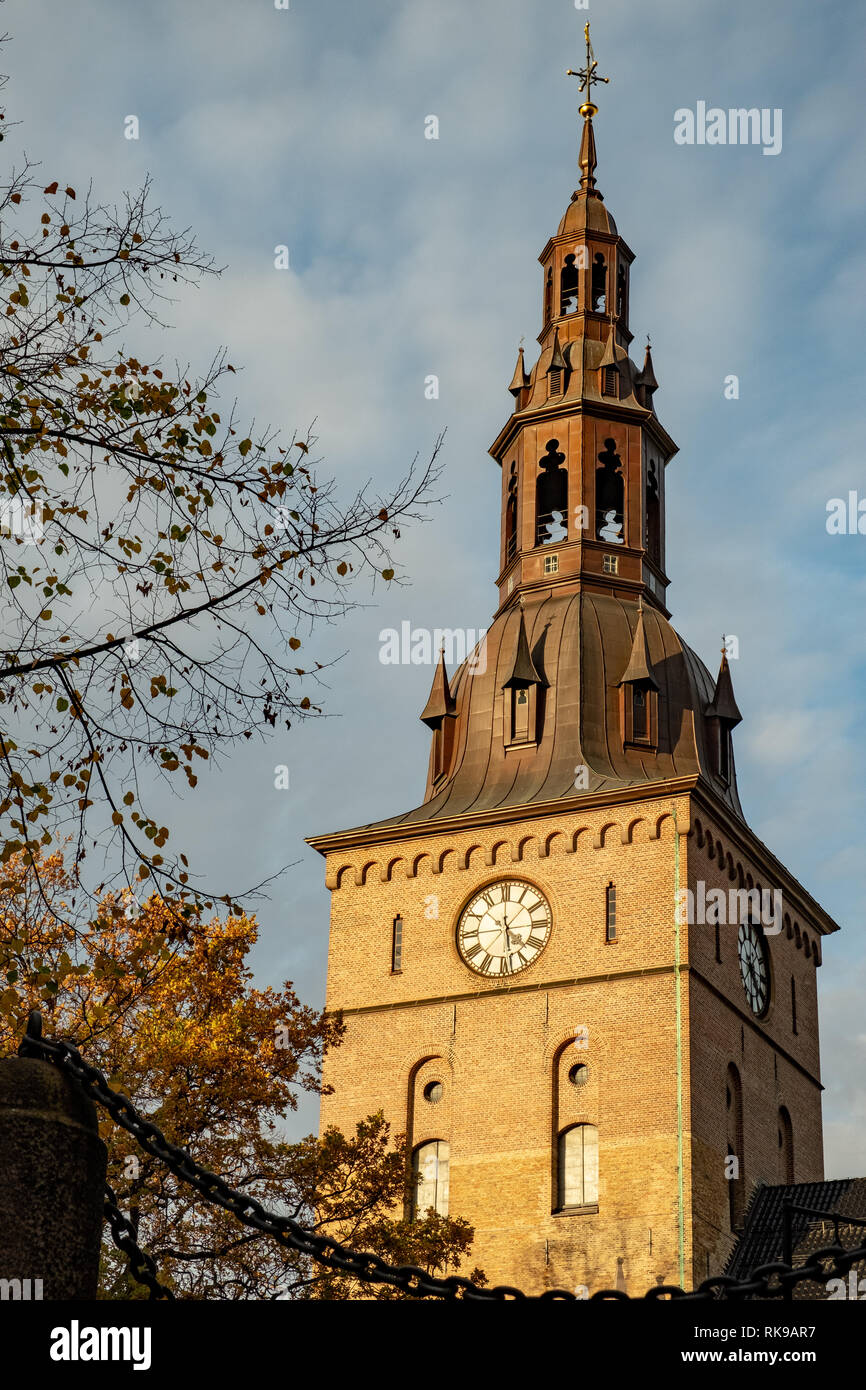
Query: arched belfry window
{"type": "Point", "coordinates": [430, 1163]}
{"type": "Point", "coordinates": [577, 1167]}
{"type": "Point", "coordinates": [622, 293]}
{"type": "Point", "coordinates": [569, 285]}
{"type": "Point", "coordinates": [548, 296]}
{"type": "Point", "coordinates": [609, 496]}
{"type": "Point", "coordinates": [511, 515]}
{"type": "Point", "coordinates": [599, 284]}
{"type": "Point", "coordinates": [653, 515]}
{"type": "Point", "coordinates": [551, 497]}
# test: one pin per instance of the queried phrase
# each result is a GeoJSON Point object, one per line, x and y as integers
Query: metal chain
{"type": "Point", "coordinates": [767, 1281]}
{"type": "Point", "coordinates": [142, 1266]}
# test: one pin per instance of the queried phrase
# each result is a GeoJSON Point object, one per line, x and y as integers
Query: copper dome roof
{"type": "Point", "coordinates": [581, 644]}
{"type": "Point", "coordinates": [586, 214]}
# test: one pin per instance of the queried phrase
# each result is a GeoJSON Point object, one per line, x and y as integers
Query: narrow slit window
{"type": "Point", "coordinates": [786, 1146]}
{"type": "Point", "coordinates": [397, 946]}
{"type": "Point", "coordinates": [610, 913]}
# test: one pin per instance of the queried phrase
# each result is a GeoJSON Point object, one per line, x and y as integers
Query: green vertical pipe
{"type": "Point", "coordinates": [681, 1223]}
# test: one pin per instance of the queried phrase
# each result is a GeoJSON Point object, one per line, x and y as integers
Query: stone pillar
{"type": "Point", "coordinates": [52, 1175]}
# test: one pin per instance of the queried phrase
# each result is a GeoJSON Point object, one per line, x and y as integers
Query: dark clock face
{"type": "Point", "coordinates": [754, 967]}
{"type": "Point", "coordinates": [504, 928]}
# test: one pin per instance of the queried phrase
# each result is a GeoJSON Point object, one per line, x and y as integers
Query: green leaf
{"type": "Point", "coordinates": [62, 705]}
{"type": "Point", "coordinates": [244, 447]}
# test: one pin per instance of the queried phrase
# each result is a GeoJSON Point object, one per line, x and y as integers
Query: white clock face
{"type": "Point", "coordinates": [754, 967]}
{"type": "Point", "coordinates": [504, 928]}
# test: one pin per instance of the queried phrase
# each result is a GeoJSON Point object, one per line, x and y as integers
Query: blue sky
{"type": "Point", "coordinates": [409, 257]}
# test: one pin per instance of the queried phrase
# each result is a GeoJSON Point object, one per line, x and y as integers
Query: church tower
{"type": "Point", "coordinates": [573, 976]}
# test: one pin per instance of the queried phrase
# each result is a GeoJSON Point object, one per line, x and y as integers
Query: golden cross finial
{"type": "Point", "coordinates": [588, 77]}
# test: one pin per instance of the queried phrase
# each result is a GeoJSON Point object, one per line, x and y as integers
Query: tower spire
{"type": "Point", "coordinates": [588, 158]}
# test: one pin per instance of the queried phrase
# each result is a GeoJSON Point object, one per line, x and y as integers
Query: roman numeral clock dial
{"type": "Point", "coordinates": [504, 928]}
{"type": "Point", "coordinates": [754, 967]}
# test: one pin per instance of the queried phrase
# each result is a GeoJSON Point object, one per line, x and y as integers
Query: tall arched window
{"type": "Point", "coordinates": [732, 1191]}
{"type": "Point", "coordinates": [430, 1171]}
{"type": "Point", "coordinates": [577, 1167]}
{"type": "Point", "coordinates": [786, 1145]}
{"type": "Point", "coordinates": [736, 1184]}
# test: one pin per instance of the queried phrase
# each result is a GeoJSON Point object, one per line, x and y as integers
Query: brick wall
{"type": "Point", "coordinates": [503, 1051]}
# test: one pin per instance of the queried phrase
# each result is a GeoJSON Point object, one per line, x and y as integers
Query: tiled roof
{"type": "Point", "coordinates": [762, 1238]}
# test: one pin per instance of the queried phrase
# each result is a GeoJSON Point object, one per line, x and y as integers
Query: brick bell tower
{"type": "Point", "coordinates": [559, 973]}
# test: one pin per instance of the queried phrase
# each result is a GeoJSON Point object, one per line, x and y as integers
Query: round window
{"type": "Point", "coordinates": [579, 1074]}
{"type": "Point", "coordinates": [433, 1092]}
